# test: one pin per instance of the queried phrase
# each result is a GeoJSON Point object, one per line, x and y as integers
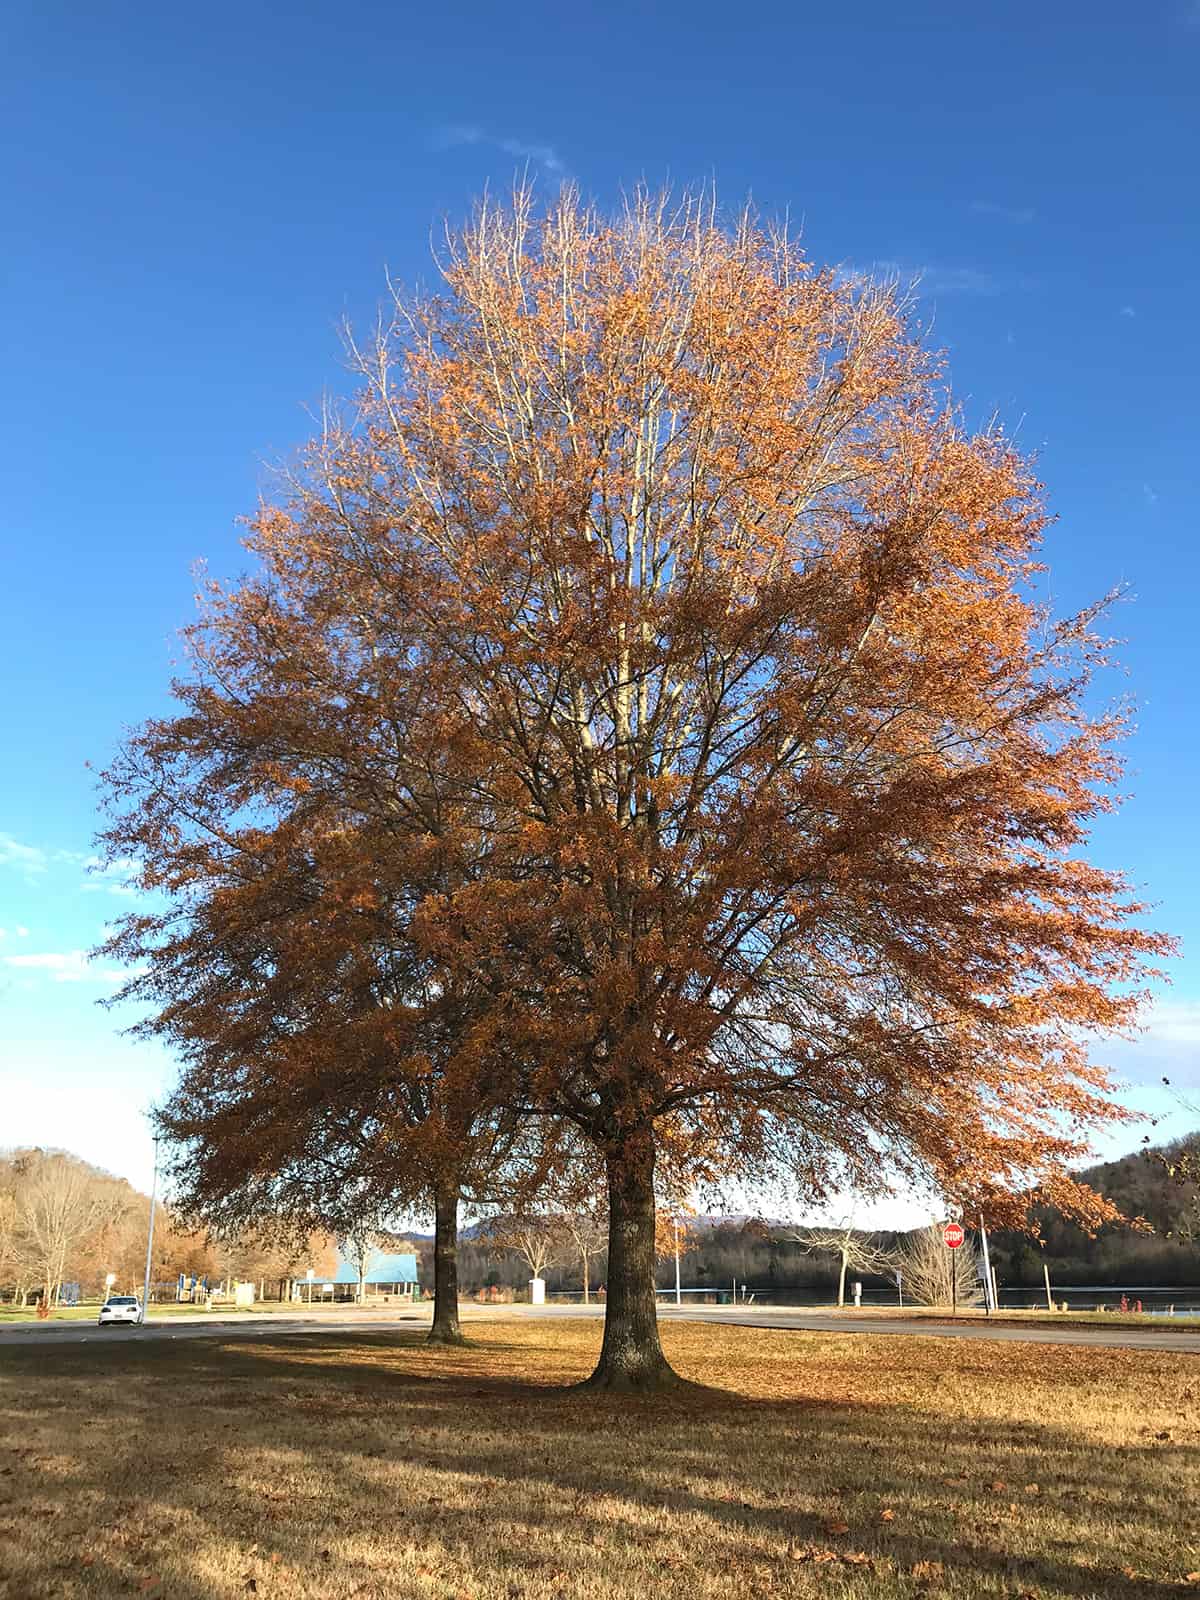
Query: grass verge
{"type": "Point", "coordinates": [340, 1464]}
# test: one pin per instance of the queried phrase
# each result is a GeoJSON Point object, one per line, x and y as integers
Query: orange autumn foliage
{"type": "Point", "coordinates": [654, 587]}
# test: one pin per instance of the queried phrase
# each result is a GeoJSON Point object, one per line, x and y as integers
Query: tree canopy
{"type": "Point", "coordinates": [654, 653]}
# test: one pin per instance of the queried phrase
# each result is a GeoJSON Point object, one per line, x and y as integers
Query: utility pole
{"type": "Point", "coordinates": [988, 1291]}
{"type": "Point", "coordinates": [678, 1290]}
{"type": "Point", "coordinates": [150, 1238]}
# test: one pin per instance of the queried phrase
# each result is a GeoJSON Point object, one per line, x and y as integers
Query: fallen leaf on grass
{"type": "Point", "coordinates": [820, 1556]}
{"type": "Point", "coordinates": [1032, 1488]}
{"type": "Point", "coordinates": [999, 1486]}
{"type": "Point", "coordinates": [887, 1515]}
{"type": "Point", "coordinates": [837, 1527]}
{"type": "Point", "coordinates": [927, 1571]}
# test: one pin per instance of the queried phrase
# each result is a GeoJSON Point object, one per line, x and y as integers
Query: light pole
{"type": "Point", "coordinates": [150, 1239]}
{"type": "Point", "coordinates": [678, 1291]}
{"type": "Point", "coordinates": [989, 1292]}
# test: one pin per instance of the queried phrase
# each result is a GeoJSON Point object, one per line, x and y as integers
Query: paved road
{"type": "Point", "coordinates": [267, 1327]}
{"type": "Point", "coordinates": [247, 1326]}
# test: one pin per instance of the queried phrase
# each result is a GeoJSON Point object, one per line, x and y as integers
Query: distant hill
{"type": "Point", "coordinates": [1122, 1254]}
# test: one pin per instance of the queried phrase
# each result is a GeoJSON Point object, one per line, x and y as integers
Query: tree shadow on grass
{"type": "Point", "coordinates": [558, 1475]}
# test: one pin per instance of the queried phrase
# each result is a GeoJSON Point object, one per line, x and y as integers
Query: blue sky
{"type": "Point", "coordinates": [194, 199]}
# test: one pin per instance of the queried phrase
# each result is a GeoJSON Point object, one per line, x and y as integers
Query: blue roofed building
{"type": "Point", "coordinates": [388, 1276]}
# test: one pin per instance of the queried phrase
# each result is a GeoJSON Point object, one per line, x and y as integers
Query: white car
{"type": "Point", "coordinates": [120, 1308]}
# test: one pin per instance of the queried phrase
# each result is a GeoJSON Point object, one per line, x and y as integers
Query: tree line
{"type": "Point", "coordinates": [715, 1255]}
{"type": "Point", "coordinates": [66, 1222]}
{"type": "Point", "coordinates": [634, 761]}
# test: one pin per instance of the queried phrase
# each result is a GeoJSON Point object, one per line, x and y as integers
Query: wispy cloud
{"type": "Point", "coordinates": [469, 133]}
{"type": "Point", "coordinates": [67, 966]}
{"type": "Point", "coordinates": [1018, 215]}
{"type": "Point", "coordinates": [111, 877]}
{"type": "Point", "coordinates": [1128, 311]}
{"type": "Point", "coordinates": [1173, 1022]}
{"type": "Point", "coordinates": [934, 278]}
{"type": "Point", "coordinates": [21, 933]}
{"type": "Point", "coordinates": [1168, 1046]}
{"type": "Point", "coordinates": [26, 858]}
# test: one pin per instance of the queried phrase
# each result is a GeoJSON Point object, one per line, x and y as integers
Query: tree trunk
{"type": "Point", "coordinates": [585, 1278]}
{"type": "Point", "coordinates": [842, 1282]}
{"type": "Point", "coordinates": [631, 1357]}
{"type": "Point", "coordinates": [445, 1329]}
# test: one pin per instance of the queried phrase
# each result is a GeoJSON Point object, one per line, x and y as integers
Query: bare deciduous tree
{"type": "Point", "coordinates": [360, 1248]}
{"type": "Point", "coordinates": [587, 1229]}
{"type": "Point", "coordinates": [60, 1201]}
{"type": "Point", "coordinates": [851, 1249]}
{"type": "Point", "coordinates": [13, 1245]}
{"type": "Point", "coordinates": [537, 1239]}
{"type": "Point", "coordinates": [937, 1276]}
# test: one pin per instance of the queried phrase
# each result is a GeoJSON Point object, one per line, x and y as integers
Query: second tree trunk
{"type": "Point", "coordinates": [445, 1329]}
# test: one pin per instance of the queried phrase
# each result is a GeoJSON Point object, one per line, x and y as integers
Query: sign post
{"type": "Point", "coordinates": [953, 1234]}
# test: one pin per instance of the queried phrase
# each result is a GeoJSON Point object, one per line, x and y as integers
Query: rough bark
{"type": "Point", "coordinates": [631, 1356]}
{"type": "Point", "coordinates": [445, 1329]}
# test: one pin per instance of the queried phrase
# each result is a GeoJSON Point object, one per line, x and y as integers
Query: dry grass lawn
{"type": "Point", "coordinates": [344, 1464]}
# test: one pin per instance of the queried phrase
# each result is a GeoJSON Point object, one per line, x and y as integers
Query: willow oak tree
{"type": "Point", "coordinates": [742, 616]}
{"type": "Point", "coordinates": [291, 815]}
{"type": "Point", "coordinates": [785, 778]}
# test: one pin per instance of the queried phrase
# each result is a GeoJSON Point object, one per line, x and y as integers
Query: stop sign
{"type": "Point", "coordinates": [953, 1235]}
